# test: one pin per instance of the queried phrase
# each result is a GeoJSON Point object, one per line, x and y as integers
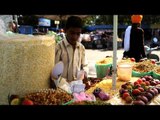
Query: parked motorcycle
{"type": "Point", "coordinates": [149, 54]}
{"type": "Point", "coordinates": [154, 43]}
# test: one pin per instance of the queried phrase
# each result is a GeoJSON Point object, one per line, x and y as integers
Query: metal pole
{"type": "Point", "coordinates": [114, 72]}
{"type": "Point", "coordinates": [57, 26]}
{"type": "Point", "coordinates": [16, 19]}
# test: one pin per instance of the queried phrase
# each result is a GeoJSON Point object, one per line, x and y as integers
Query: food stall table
{"type": "Point", "coordinates": [106, 86]}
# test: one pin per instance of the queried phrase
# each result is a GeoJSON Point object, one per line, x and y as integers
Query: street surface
{"type": "Point", "coordinates": [96, 54]}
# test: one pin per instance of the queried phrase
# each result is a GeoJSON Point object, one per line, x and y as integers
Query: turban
{"type": "Point", "coordinates": [136, 18]}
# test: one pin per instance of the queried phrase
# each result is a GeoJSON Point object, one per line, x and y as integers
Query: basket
{"type": "Point", "coordinates": [140, 74]}
{"type": "Point", "coordinates": [101, 69]}
{"type": "Point", "coordinates": [156, 75]}
{"type": "Point", "coordinates": [69, 102]}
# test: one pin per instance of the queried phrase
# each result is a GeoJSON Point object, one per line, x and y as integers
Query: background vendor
{"type": "Point", "coordinates": [134, 39]}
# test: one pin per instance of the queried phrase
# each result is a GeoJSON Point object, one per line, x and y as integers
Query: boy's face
{"type": "Point", "coordinates": [73, 34]}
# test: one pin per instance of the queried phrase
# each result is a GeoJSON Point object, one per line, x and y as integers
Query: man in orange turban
{"type": "Point", "coordinates": [134, 39]}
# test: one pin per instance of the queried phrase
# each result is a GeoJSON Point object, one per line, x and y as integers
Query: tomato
{"type": "Point", "coordinates": [136, 83]}
{"type": "Point", "coordinates": [139, 80]}
{"type": "Point", "coordinates": [147, 83]}
{"type": "Point", "coordinates": [136, 92]}
{"type": "Point", "coordinates": [132, 59]}
{"type": "Point", "coordinates": [143, 84]}
{"type": "Point", "coordinates": [141, 89]}
{"type": "Point", "coordinates": [125, 95]}
{"type": "Point", "coordinates": [153, 61]}
{"type": "Point", "coordinates": [128, 99]}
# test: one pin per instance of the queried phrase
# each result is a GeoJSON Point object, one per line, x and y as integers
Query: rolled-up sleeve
{"type": "Point", "coordinates": [57, 54]}
{"type": "Point", "coordinates": [84, 61]}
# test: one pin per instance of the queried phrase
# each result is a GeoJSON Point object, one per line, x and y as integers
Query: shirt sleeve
{"type": "Point", "coordinates": [58, 51]}
{"type": "Point", "coordinates": [84, 61]}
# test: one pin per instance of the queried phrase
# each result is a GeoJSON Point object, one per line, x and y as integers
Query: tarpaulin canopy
{"type": "Point", "coordinates": [120, 26]}
{"type": "Point", "coordinates": [96, 27]}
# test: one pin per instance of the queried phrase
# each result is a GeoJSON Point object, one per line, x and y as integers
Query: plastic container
{"type": "Point", "coordinates": [92, 69]}
{"type": "Point", "coordinates": [101, 69]}
{"type": "Point", "coordinates": [124, 72]}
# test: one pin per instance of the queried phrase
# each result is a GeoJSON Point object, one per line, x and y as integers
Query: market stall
{"type": "Point", "coordinates": [141, 88]}
{"type": "Point", "coordinates": [27, 63]}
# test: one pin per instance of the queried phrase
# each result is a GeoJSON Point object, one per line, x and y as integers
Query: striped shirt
{"type": "Point", "coordinates": [72, 59]}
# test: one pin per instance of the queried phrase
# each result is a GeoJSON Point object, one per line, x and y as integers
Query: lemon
{"type": "Point", "coordinates": [15, 101]}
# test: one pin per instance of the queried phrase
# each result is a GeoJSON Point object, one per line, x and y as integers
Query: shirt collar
{"type": "Point", "coordinates": [68, 44]}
